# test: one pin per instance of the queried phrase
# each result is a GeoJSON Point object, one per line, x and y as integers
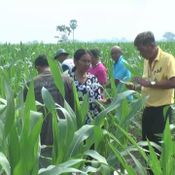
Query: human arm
{"type": "Point", "coordinates": [102, 76]}
{"type": "Point", "coordinates": [69, 94]}
{"type": "Point", "coordinates": [132, 86]}
{"type": "Point", "coordinates": [25, 90]}
{"type": "Point", "coordinates": [163, 84]}
{"type": "Point", "coordinates": [167, 81]}
{"type": "Point", "coordinates": [121, 73]}
{"type": "Point", "coordinates": [99, 92]}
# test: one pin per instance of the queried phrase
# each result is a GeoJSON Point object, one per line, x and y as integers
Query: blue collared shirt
{"type": "Point", "coordinates": [120, 71]}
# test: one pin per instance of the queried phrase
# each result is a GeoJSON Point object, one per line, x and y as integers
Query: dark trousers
{"type": "Point", "coordinates": [153, 123]}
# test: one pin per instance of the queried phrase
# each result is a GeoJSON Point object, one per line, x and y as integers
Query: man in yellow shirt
{"type": "Point", "coordinates": [157, 83]}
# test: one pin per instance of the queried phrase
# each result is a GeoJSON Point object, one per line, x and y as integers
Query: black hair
{"type": "Point", "coordinates": [41, 60]}
{"type": "Point", "coordinates": [144, 38]}
{"type": "Point", "coordinates": [79, 53]}
{"type": "Point", "coordinates": [95, 53]}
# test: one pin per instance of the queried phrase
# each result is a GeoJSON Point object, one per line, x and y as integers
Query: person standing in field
{"type": "Point", "coordinates": [62, 56]}
{"type": "Point", "coordinates": [85, 82]}
{"type": "Point", "coordinates": [120, 71]}
{"type": "Point", "coordinates": [157, 83]}
{"type": "Point", "coordinates": [45, 79]}
{"type": "Point", "coordinates": [97, 68]}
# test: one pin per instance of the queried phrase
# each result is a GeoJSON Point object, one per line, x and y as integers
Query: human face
{"type": "Point", "coordinates": [115, 54]}
{"type": "Point", "coordinates": [83, 63]}
{"type": "Point", "coordinates": [93, 61]}
{"type": "Point", "coordinates": [62, 57]}
{"type": "Point", "coordinates": [146, 51]}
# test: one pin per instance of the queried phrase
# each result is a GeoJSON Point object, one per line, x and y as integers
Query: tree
{"type": "Point", "coordinates": [73, 25]}
{"type": "Point", "coordinates": [64, 32]}
{"type": "Point", "coordinates": [169, 36]}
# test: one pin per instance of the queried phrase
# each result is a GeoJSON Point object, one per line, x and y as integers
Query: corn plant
{"type": "Point", "coordinates": [109, 143]}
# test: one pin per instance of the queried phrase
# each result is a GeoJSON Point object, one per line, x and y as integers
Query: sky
{"type": "Point", "coordinates": [31, 20]}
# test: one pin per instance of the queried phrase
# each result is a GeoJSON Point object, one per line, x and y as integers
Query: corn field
{"type": "Point", "coordinates": [114, 134]}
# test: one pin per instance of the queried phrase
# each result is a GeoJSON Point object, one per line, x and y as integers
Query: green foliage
{"type": "Point", "coordinates": [110, 143]}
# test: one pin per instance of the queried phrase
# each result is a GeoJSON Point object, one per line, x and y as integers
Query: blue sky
{"type": "Point", "coordinates": [29, 20]}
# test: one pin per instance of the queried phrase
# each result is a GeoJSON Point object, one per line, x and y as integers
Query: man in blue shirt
{"type": "Point", "coordinates": [120, 71]}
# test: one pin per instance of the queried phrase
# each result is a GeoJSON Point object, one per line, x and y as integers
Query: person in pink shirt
{"type": "Point", "coordinates": [97, 68]}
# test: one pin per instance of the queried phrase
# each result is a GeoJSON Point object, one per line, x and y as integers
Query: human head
{"type": "Point", "coordinates": [82, 60]}
{"type": "Point", "coordinates": [61, 55]}
{"type": "Point", "coordinates": [116, 52]}
{"type": "Point", "coordinates": [95, 56]}
{"type": "Point", "coordinates": [146, 45]}
{"type": "Point", "coordinates": [41, 63]}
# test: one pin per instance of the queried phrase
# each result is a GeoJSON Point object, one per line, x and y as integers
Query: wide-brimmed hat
{"type": "Point", "coordinates": [60, 52]}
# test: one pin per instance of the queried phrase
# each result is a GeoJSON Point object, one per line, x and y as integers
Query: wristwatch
{"type": "Point", "coordinates": [152, 83]}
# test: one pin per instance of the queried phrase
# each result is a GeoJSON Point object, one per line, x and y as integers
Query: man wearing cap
{"type": "Point", "coordinates": [62, 56]}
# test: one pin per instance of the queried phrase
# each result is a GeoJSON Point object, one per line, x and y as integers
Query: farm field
{"type": "Point", "coordinates": [114, 135]}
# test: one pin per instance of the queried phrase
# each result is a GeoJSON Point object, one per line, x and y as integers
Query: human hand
{"type": "Point", "coordinates": [130, 86]}
{"type": "Point", "coordinates": [106, 100]}
{"type": "Point", "coordinates": [143, 82]}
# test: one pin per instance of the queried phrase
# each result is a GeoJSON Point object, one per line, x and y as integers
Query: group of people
{"type": "Point", "coordinates": [89, 75]}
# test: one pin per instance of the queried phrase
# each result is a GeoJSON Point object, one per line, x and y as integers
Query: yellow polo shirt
{"type": "Point", "coordinates": [162, 68]}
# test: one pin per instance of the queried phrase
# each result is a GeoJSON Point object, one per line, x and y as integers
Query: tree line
{"type": "Point", "coordinates": [66, 30]}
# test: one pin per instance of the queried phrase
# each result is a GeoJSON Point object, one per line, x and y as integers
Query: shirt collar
{"type": "Point", "coordinates": [119, 59]}
{"type": "Point", "coordinates": [158, 54]}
